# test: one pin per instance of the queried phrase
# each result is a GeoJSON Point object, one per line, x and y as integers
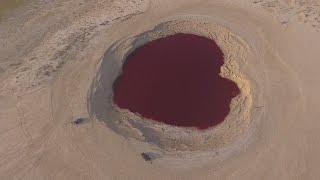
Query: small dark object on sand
{"type": "Point", "coordinates": [78, 121]}
{"type": "Point", "coordinates": [146, 157]}
{"type": "Point", "coordinates": [150, 156]}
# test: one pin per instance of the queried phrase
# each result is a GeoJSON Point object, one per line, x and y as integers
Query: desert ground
{"type": "Point", "coordinates": [59, 58]}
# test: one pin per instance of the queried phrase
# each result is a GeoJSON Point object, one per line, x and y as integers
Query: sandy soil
{"type": "Point", "coordinates": [8, 5]}
{"type": "Point", "coordinates": [58, 60]}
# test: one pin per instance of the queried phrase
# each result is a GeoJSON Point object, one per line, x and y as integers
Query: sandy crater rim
{"type": "Point", "coordinates": [159, 136]}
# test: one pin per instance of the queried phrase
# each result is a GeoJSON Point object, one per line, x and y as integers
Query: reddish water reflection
{"type": "Point", "coordinates": [175, 80]}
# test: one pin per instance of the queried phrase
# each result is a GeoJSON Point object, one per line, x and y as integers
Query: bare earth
{"type": "Point", "coordinates": [58, 60]}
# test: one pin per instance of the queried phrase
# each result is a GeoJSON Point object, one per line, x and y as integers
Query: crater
{"type": "Point", "coordinates": [175, 80]}
{"type": "Point", "coordinates": [175, 89]}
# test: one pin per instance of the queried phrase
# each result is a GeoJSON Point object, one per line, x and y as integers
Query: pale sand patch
{"type": "Point", "coordinates": [8, 5]}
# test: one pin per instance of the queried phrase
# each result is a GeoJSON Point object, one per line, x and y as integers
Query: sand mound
{"type": "Point", "coordinates": [165, 137]}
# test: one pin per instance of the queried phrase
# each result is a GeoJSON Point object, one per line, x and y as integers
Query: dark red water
{"type": "Point", "coordinates": [175, 80]}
